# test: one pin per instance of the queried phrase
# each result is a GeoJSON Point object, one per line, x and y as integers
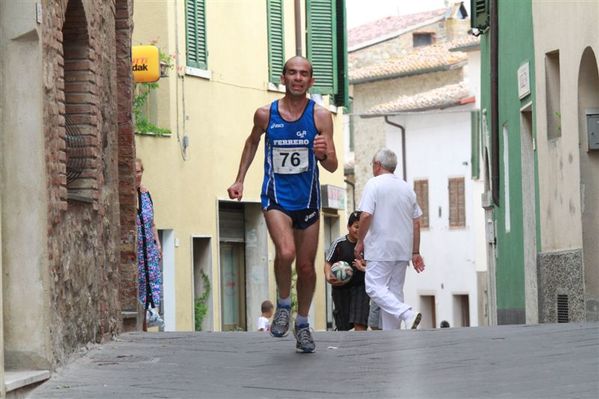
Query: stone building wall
{"type": "Point", "coordinates": [126, 166]}
{"type": "Point", "coordinates": [86, 69]}
{"type": "Point", "coordinates": [395, 47]}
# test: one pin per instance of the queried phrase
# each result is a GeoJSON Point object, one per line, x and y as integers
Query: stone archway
{"type": "Point", "coordinates": [588, 104]}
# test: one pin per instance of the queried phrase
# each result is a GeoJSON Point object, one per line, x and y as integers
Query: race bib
{"type": "Point", "coordinates": [290, 161]}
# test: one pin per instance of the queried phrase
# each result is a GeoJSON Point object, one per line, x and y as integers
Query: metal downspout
{"type": "Point", "coordinates": [494, 32]}
{"type": "Point", "coordinates": [403, 145]}
{"type": "Point", "coordinates": [298, 27]}
{"type": "Point", "coordinates": [353, 192]}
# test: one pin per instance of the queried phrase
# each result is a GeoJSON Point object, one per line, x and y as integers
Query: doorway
{"type": "Point", "coordinates": [529, 219]}
{"type": "Point", "coordinates": [429, 311]}
{"type": "Point", "coordinates": [168, 303]}
{"type": "Point", "coordinates": [232, 278]}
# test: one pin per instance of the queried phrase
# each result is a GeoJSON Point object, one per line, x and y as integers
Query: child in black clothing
{"type": "Point", "coordinates": [350, 301]}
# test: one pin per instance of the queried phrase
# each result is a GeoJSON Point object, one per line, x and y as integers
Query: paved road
{"type": "Point", "coordinates": [540, 361]}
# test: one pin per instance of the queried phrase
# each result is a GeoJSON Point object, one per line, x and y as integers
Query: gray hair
{"type": "Point", "coordinates": [386, 158]}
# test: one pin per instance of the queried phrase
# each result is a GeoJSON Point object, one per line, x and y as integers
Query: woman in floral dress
{"type": "Point", "coordinates": [149, 252]}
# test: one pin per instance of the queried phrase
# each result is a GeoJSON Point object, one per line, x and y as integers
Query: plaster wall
{"type": "Point", "coordinates": [215, 112]}
{"type": "Point", "coordinates": [24, 200]}
{"type": "Point", "coordinates": [368, 131]}
{"type": "Point", "coordinates": [438, 148]}
{"type": "Point", "coordinates": [568, 184]}
{"type": "Point", "coordinates": [559, 160]}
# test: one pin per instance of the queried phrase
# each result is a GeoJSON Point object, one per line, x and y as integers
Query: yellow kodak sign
{"type": "Point", "coordinates": [146, 64]}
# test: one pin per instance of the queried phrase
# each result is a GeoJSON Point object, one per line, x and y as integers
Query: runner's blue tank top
{"type": "Point", "coordinates": [290, 166]}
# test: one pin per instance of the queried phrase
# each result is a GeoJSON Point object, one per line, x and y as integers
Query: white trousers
{"type": "Point", "coordinates": [384, 285]}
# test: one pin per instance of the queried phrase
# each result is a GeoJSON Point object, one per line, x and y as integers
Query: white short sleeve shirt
{"type": "Point", "coordinates": [393, 206]}
{"type": "Point", "coordinates": [263, 324]}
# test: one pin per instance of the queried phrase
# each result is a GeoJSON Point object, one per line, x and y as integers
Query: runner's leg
{"type": "Point", "coordinates": [306, 244]}
{"type": "Point", "coordinates": [281, 233]}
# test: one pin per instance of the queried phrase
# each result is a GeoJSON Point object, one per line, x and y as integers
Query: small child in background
{"type": "Point", "coordinates": [350, 301]}
{"type": "Point", "coordinates": [264, 319]}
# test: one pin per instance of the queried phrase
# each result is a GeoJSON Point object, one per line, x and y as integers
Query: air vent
{"type": "Point", "coordinates": [562, 309]}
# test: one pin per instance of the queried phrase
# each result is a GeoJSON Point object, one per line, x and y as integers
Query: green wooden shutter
{"type": "Point", "coordinates": [479, 14]}
{"type": "Point", "coordinates": [276, 42]}
{"type": "Point", "coordinates": [342, 93]}
{"type": "Point", "coordinates": [195, 33]}
{"type": "Point", "coordinates": [322, 44]}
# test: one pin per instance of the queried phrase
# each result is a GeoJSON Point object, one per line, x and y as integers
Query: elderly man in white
{"type": "Point", "coordinates": [389, 238]}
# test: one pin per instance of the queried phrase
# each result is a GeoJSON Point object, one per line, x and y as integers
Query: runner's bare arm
{"type": "Point", "coordinates": [324, 146]}
{"type": "Point", "coordinates": [249, 151]}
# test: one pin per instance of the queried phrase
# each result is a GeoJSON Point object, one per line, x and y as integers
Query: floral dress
{"type": "Point", "coordinates": [148, 257]}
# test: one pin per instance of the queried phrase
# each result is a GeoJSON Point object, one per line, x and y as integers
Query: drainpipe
{"type": "Point", "coordinates": [403, 145]}
{"type": "Point", "coordinates": [298, 27]}
{"type": "Point", "coordinates": [353, 193]}
{"type": "Point", "coordinates": [494, 32]}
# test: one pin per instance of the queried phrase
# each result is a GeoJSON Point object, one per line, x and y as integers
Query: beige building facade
{"type": "Point", "coordinates": [567, 84]}
{"type": "Point", "coordinates": [213, 246]}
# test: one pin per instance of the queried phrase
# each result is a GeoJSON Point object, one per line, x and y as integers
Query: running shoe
{"type": "Point", "coordinates": [413, 322]}
{"type": "Point", "coordinates": [305, 342]}
{"type": "Point", "coordinates": [280, 322]}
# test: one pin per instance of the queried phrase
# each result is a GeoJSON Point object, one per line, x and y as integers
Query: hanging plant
{"type": "Point", "coordinates": [141, 95]}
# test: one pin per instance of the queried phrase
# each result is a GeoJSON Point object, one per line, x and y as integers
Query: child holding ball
{"type": "Point", "coordinates": [350, 301]}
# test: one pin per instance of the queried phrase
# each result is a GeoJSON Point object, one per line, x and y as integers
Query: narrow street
{"type": "Point", "coordinates": [534, 361]}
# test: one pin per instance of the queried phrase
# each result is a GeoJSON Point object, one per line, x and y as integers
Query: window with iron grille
{"type": "Point", "coordinates": [421, 189]}
{"type": "Point", "coordinates": [457, 203]}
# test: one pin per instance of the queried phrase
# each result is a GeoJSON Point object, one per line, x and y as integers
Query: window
{"type": "Point", "coordinates": [421, 189]}
{"type": "Point", "coordinates": [276, 41]}
{"type": "Point", "coordinates": [80, 108]}
{"type": "Point", "coordinates": [195, 34]}
{"type": "Point", "coordinates": [552, 86]}
{"type": "Point", "coordinates": [457, 206]}
{"type": "Point", "coordinates": [422, 39]}
{"type": "Point", "coordinates": [479, 9]}
{"type": "Point", "coordinates": [326, 47]}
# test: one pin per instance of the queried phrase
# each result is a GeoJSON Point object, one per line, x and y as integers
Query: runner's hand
{"type": "Point", "coordinates": [236, 191]}
{"type": "Point", "coordinates": [320, 147]}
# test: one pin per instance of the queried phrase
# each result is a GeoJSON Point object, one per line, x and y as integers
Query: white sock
{"type": "Point", "coordinates": [407, 315]}
{"type": "Point", "coordinates": [299, 320]}
{"type": "Point", "coordinates": [284, 301]}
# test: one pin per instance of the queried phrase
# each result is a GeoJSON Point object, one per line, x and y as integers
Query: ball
{"type": "Point", "coordinates": [342, 271]}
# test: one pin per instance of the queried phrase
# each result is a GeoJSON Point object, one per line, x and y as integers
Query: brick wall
{"type": "Point", "coordinates": [127, 198]}
{"type": "Point", "coordinates": [86, 53]}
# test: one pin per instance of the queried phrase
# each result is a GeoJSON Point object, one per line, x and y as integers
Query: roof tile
{"type": "Point", "coordinates": [442, 97]}
{"type": "Point", "coordinates": [414, 61]}
{"type": "Point", "coordinates": [388, 25]}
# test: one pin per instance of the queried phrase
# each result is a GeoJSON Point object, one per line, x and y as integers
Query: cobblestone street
{"type": "Point", "coordinates": [538, 361]}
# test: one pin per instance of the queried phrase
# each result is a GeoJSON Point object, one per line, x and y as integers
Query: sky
{"type": "Point", "coordinates": [363, 11]}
